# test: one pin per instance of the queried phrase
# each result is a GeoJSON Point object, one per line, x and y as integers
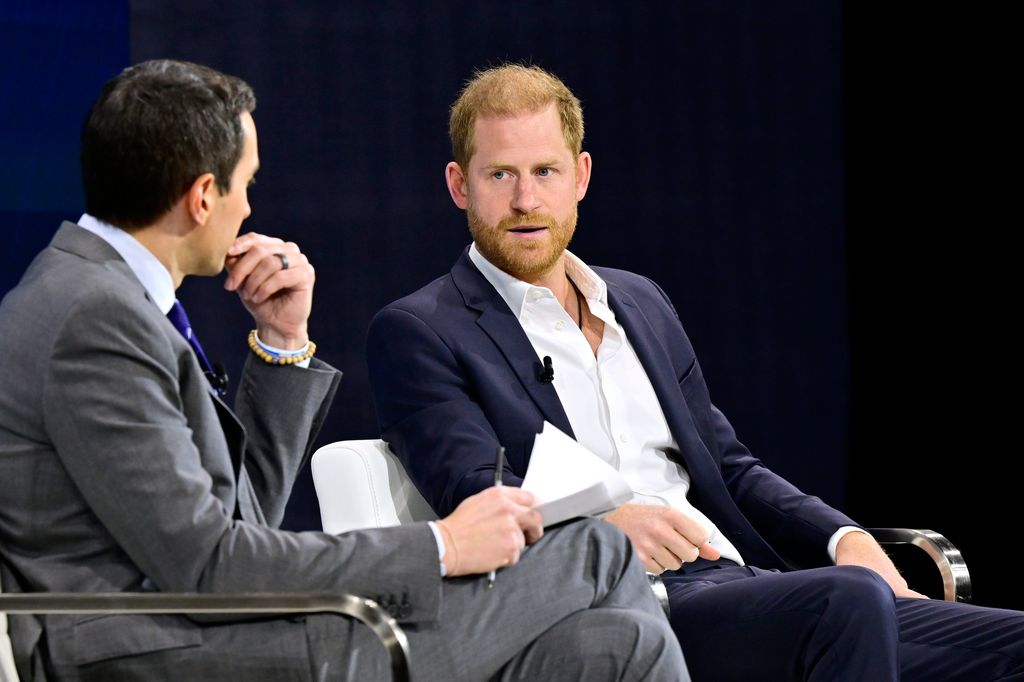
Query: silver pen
{"type": "Point", "coordinates": [499, 468]}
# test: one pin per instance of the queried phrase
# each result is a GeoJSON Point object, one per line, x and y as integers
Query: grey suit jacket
{"type": "Point", "coordinates": [120, 470]}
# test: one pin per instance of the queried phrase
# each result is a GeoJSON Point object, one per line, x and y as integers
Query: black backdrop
{"type": "Point", "coordinates": [788, 172]}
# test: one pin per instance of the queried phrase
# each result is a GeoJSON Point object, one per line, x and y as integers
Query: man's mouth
{"type": "Point", "coordinates": [527, 229]}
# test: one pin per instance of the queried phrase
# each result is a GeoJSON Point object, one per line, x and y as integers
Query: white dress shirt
{"type": "Point", "coordinates": [609, 399]}
{"type": "Point", "coordinates": [150, 271]}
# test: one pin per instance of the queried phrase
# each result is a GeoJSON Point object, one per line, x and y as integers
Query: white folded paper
{"type": "Point", "coordinates": [569, 480]}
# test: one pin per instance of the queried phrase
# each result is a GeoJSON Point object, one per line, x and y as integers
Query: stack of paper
{"type": "Point", "coordinates": [569, 480]}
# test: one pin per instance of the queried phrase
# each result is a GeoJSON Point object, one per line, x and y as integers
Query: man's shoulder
{"type": "Point", "coordinates": [58, 275]}
{"type": "Point", "coordinates": [623, 278]}
{"type": "Point", "coordinates": [637, 285]}
{"type": "Point", "coordinates": [60, 285]}
{"type": "Point", "coordinates": [441, 288]}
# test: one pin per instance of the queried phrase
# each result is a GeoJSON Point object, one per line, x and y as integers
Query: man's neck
{"type": "Point", "coordinates": [148, 269]}
{"type": "Point", "coordinates": [164, 239]}
{"type": "Point", "coordinates": [554, 278]}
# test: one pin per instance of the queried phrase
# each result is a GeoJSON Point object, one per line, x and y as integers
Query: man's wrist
{"type": "Point", "coordinates": [441, 549]}
{"type": "Point", "coordinates": [281, 356]}
{"type": "Point", "coordinates": [833, 543]}
{"type": "Point", "coordinates": [281, 341]}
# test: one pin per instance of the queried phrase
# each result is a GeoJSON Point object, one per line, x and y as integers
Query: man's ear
{"type": "Point", "coordinates": [583, 163]}
{"type": "Point", "coordinates": [457, 185]}
{"type": "Point", "coordinates": [200, 198]}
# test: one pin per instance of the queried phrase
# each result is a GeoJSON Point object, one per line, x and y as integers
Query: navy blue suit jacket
{"type": "Point", "coordinates": [454, 374]}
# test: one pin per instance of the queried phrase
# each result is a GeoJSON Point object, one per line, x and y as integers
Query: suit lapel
{"type": "Point", "coordinates": [75, 239]}
{"type": "Point", "coordinates": [504, 330]}
{"type": "Point", "coordinates": [706, 480]}
{"type": "Point", "coordinates": [658, 365]}
{"type": "Point", "coordinates": [234, 432]}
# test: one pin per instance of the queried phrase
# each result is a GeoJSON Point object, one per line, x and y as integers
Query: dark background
{"type": "Point", "coordinates": [811, 182]}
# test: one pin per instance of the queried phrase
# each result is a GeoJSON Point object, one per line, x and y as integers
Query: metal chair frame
{"type": "Point", "coordinates": [364, 610]}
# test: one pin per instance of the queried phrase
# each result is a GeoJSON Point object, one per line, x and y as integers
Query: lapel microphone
{"type": "Point", "coordinates": [547, 373]}
{"type": "Point", "coordinates": [218, 378]}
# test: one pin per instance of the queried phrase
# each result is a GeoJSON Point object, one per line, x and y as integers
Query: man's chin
{"type": "Point", "coordinates": [524, 266]}
{"type": "Point", "coordinates": [213, 269]}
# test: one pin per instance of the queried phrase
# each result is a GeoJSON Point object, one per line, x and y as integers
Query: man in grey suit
{"type": "Point", "coordinates": [124, 470]}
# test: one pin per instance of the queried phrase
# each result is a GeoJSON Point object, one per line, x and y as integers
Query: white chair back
{"type": "Point", "coordinates": [8, 673]}
{"type": "Point", "coordinates": [361, 484]}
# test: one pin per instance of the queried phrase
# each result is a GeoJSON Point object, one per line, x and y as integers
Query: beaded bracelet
{"type": "Point", "coordinates": [275, 359]}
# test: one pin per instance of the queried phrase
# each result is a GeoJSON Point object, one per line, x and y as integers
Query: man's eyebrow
{"type": "Point", "coordinates": [550, 161]}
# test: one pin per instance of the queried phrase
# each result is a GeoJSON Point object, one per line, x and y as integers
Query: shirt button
{"type": "Point", "coordinates": [623, 438]}
{"type": "Point", "coordinates": [560, 325]}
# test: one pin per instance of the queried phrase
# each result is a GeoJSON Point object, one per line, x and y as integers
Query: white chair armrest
{"type": "Point", "coordinates": [361, 484]}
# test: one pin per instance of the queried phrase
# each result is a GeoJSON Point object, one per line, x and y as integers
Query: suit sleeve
{"type": "Point", "coordinates": [113, 408]}
{"type": "Point", "coordinates": [797, 525]}
{"type": "Point", "coordinates": [282, 409]}
{"type": "Point", "coordinates": [430, 414]}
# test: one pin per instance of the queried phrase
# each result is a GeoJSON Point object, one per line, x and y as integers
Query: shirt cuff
{"type": "Point", "coordinates": [281, 351]}
{"type": "Point", "coordinates": [838, 535]}
{"type": "Point", "coordinates": [440, 546]}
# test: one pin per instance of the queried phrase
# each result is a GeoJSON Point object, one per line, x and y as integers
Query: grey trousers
{"type": "Point", "coordinates": [576, 606]}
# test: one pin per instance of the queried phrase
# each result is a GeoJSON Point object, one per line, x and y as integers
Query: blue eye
{"type": "Point", "coordinates": [543, 172]}
{"type": "Point", "coordinates": [498, 175]}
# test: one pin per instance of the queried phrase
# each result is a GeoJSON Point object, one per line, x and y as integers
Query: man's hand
{"type": "Point", "coordinates": [278, 298]}
{"type": "Point", "coordinates": [489, 530]}
{"type": "Point", "coordinates": [860, 549]}
{"type": "Point", "coordinates": [664, 538]}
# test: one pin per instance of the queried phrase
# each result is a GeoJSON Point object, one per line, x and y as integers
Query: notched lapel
{"type": "Point", "coordinates": [508, 335]}
{"type": "Point", "coordinates": [660, 370]}
{"type": "Point", "coordinates": [504, 330]}
{"type": "Point", "coordinates": [716, 502]}
{"type": "Point", "coordinates": [234, 432]}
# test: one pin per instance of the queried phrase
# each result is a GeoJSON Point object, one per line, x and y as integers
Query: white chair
{"type": "Point", "coordinates": [361, 484]}
{"type": "Point", "coordinates": [8, 673]}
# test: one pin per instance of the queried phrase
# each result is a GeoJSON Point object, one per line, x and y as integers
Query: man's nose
{"type": "Point", "coordinates": [525, 199]}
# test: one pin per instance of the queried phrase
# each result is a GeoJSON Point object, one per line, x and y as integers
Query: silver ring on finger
{"type": "Point", "coordinates": [284, 261]}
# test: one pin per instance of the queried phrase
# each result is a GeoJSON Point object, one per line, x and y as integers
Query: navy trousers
{"type": "Point", "coordinates": [838, 623]}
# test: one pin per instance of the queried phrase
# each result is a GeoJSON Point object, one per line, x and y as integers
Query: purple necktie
{"type": "Point", "coordinates": [215, 374]}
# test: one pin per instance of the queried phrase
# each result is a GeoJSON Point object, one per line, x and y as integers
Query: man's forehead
{"type": "Point", "coordinates": [538, 131]}
{"type": "Point", "coordinates": [548, 111]}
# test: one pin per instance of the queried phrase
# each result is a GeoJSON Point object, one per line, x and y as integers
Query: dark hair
{"type": "Point", "coordinates": [154, 129]}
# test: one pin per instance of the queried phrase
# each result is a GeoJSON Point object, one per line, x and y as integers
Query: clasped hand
{"type": "Point", "coordinates": [279, 298]}
{"type": "Point", "coordinates": [664, 538]}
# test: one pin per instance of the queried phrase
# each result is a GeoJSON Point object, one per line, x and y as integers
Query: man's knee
{"type": "Point", "coordinates": [607, 537]}
{"type": "Point", "coordinates": [604, 644]}
{"type": "Point", "coordinates": [860, 581]}
{"type": "Point", "coordinates": [856, 592]}
{"type": "Point", "coordinates": [589, 537]}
